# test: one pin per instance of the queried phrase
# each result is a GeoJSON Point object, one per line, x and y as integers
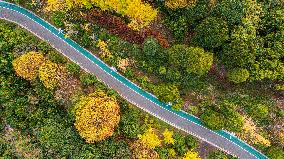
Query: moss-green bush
{"type": "Point", "coordinates": [238, 75]}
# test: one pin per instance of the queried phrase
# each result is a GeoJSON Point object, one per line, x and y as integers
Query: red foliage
{"type": "Point", "coordinates": [116, 26]}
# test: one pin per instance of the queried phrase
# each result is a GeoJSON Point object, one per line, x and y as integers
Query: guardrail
{"type": "Point", "coordinates": [128, 83]}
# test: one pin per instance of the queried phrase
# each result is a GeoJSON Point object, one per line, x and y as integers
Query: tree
{"type": "Point", "coordinates": [232, 11]}
{"type": "Point", "coordinates": [242, 50]}
{"type": "Point", "coordinates": [191, 59]}
{"type": "Point", "coordinates": [211, 33]}
{"type": "Point", "coordinates": [27, 65]}
{"type": "Point", "coordinates": [238, 75]}
{"type": "Point", "coordinates": [96, 116]}
{"type": "Point", "coordinates": [154, 53]}
{"type": "Point", "coordinates": [50, 74]}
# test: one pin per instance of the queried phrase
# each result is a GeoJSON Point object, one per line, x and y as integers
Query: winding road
{"type": "Point", "coordinates": [129, 91]}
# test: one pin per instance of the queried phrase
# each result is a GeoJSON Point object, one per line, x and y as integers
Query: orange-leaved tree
{"type": "Point", "coordinates": [96, 116]}
{"type": "Point", "coordinates": [27, 65]}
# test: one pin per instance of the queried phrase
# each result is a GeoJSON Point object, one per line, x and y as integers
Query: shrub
{"type": "Point", "coordinates": [88, 79]}
{"type": "Point", "coordinates": [28, 64]}
{"type": "Point", "coordinates": [238, 75]}
{"type": "Point", "coordinates": [56, 58]}
{"type": "Point", "coordinates": [192, 59]}
{"type": "Point", "coordinates": [139, 150]}
{"type": "Point", "coordinates": [168, 137]}
{"type": "Point", "coordinates": [191, 142]}
{"type": "Point", "coordinates": [58, 19]}
{"type": "Point", "coordinates": [191, 155]}
{"type": "Point", "coordinates": [73, 68]}
{"type": "Point", "coordinates": [180, 144]}
{"type": "Point", "coordinates": [96, 116]}
{"type": "Point", "coordinates": [58, 138]}
{"type": "Point", "coordinates": [258, 111]}
{"type": "Point", "coordinates": [213, 119]}
{"type": "Point", "coordinates": [167, 93]}
{"type": "Point", "coordinates": [211, 33]}
{"type": "Point", "coordinates": [217, 155]}
{"type": "Point", "coordinates": [275, 153]}
{"type": "Point", "coordinates": [234, 121]}
{"type": "Point", "coordinates": [129, 124]}
{"type": "Point", "coordinates": [50, 74]}
{"type": "Point", "coordinates": [175, 4]}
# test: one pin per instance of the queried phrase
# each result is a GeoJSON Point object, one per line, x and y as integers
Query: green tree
{"type": "Point", "coordinates": [191, 59]}
{"type": "Point", "coordinates": [232, 11]}
{"type": "Point", "coordinates": [154, 53]}
{"type": "Point", "coordinates": [211, 33]}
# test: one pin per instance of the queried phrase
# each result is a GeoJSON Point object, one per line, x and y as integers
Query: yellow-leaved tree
{"type": "Point", "coordinates": [96, 116]}
{"type": "Point", "coordinates": [150, 139]}
{"type": "Point", "coordinates": [190, 154]}
{"type": "Point", "coordinates": [140, 13]}
{"type": "Point", "coordinates": [27, 65]}
{"type": "Point", "coordinates": [50, 74]}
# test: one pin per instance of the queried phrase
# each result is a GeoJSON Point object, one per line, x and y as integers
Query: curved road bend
{"type": "Point", "coordinates": [127, 93]}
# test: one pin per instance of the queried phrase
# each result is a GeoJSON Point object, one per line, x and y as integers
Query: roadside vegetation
{"type": "Point", "coordinates": [219, 60]}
